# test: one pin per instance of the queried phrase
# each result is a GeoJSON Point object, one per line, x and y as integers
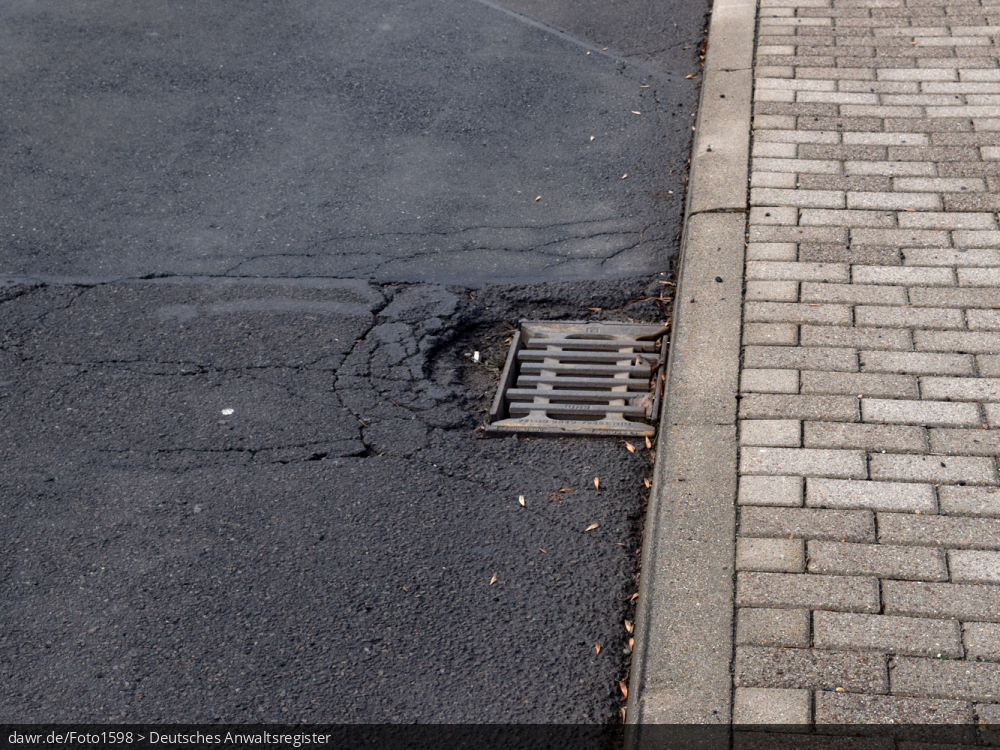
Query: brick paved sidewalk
{"type": "Point", "coordinates": [868, 583]}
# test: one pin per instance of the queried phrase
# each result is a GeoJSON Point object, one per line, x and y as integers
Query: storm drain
{"type": "Point", "coordinates": [582, 379]}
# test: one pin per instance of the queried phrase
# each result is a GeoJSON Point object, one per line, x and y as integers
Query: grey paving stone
{"type": "Point", "coordinates": [853, 294]}
{"type": "Point", "coordinates": [812, 462]}
{"type": "Point", "coordinates": [983, 320]}
{"type": "Point", "coordinates": [951, 679]}
{"type": "Point", "coordinates": [956, 532]}
{"type": "Point", "coordinates": [854, 383]}
{"type": "Point", "coordinates": [970, 501]}
{"type": "Point", "coordinates": [900, 201]}
{"type": "Point", "coordinates": [917, 363]}
{"type": "Point", "coordinates": [771, 706]}
{"type": "Point", "coordinates": [870, 437]}
{"type": "Point", "coordinates": [909, 317]}
{"type": "Point", "coordinates": [910, 636]}
{"type": "Point", "coordinates": [887, 496]}
{"type": "Point", "coordinates": [803, 523]}
{"type": "Point", "coordinates": [774, 251]}
{"type": "Point", "coordinates": [770, 555]}
{"type": "Point", "coordinates": [803, 234]}
{"type": "Point", "coordinates": [838, 593]}
{"type": "Point", "coordinates": [773, 291]}
{"type": "Point", "coordinates": [942, 297]}
{"type": "Point", "coordinates": [960, 389]}
{"type": "Point", "coordinates": [868, 183]}
{"type": "Point", "coordinates": [882, 560]}
{"type": "Point", "coordinates": [754, 380]}
{"type": "Point", "coordinates": [785, 433]}
{"type": "Point", "coordinates": [964, 442]}
{"type": "Point", "coordinates": [979, 277]}
{"type": "Point", "coordinates": [905, 275]}
{"type": "Point", "coordinates": [825, 217]}
{"type": "Point", "coordinates": [773, 491]}
{"type": "Point", "coordinates": [793, 312]}
{"type": "Point", "coordinates": [797, 271]}
{"type": "Point", "coordinates": [951, 256]}
{"type": "Point", "coordinates": [814, 669]}
{"type": "Point", "coordinates": [900, 238]}
{"type": "Point", "coordinates": [959, 601]}
{"type": "Point", "coordinates": [938, 413]}
{"type": "Point", "coordinates": [791, 406]}
{"type": "Point", "coordinates": [965, 342]}
{"type": "Point", "coordinates": [982, 640]}
{"type": "Point", "coordinates": [892, 339]}
{"type": "Point", "coordinates": [974, 566]}
{"type": "Point", "coordinates": [770, 334]}
{"type": "Point", "coordinates": [855, 254]}
{"type": "Point", "coordinates": [846, 708]}
{"type": "Point", "coordinates": [940, 469]}
{"type": "Point", "coordinates": [772, 627]}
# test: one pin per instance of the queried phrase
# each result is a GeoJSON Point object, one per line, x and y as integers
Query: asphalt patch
{"type": "Point", "coordinates": [268, 501]}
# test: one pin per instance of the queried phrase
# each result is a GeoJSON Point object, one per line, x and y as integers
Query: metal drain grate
{"type": "Point", "coordinates": [582, 379]}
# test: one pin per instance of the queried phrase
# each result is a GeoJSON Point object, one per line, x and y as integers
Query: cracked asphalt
{"type": "Point", "coordinates": [247, 251]}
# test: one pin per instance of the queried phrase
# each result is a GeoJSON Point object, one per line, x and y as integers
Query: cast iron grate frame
{"type": "Point", "coordinates": [581, 378]}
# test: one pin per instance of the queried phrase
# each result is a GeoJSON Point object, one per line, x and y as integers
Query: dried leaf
{"type": "Point", "coordinates": [538, 198]}
{"type": "Point", "coordinates": [597, 483]}
{"type": "Point", "coordinates": [636, 112]}
{"type": "Point", "coordinates": [493, 579]}
{"type": "Point", "coordinates": [647, 483]}
{"type": "Point", "coordinates": [566, 489]}
{"type": "Point", "coordinates": [597, 647]}
{"type": "Point", "coordinates": [595, 309]}
{"type": "Point", "coordinates": [693, 75]}
{"type": "Point", "coordinates": [644, 86]}
{"type": "Point", "coordinates": [649, 443]}
{"type": "Point", "coordinates": [625, 175]}
{"type": "Point", "coordinates": [621, 713]}
{"type": "Point", "coordinates": [624, 688]}
{"type": "Point", "coordinates": [591, 137]}
{"type": "Point", "coordinates": [631, 643]}
{"type": "Point", "coordinates": [634, 596]}
{"type": "Point", "coordinates": [630, 447]}
{"type": "Point", "coordinates": [591, 527]}
{"type": "Point", "coordinates": [629, 626]}
{"type": "Point", "coordinates": [520, 499]}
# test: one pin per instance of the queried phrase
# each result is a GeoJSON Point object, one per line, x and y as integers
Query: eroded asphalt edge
{"type": "Point", "coordinates": [681, 667]}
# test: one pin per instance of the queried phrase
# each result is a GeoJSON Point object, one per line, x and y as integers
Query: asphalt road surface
{"type": "Point", "coordinates": [246, 249]}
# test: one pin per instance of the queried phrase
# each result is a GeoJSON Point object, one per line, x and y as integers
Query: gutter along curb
{"type": "Point", "coordinates": [681, 666]}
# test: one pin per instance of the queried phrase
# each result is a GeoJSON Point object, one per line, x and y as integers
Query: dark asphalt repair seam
{"type": "Point", "coordinates": [322, 400]}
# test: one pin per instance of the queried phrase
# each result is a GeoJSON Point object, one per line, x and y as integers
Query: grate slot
{"type": "Point", "coordinates": [581, 378]}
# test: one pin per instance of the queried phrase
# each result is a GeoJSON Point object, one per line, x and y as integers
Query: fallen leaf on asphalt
{"type": "Point", "coordinates": [597, 647]}
{"type": "Point", "coordinates": [597, 483]}
{"type": "Point", "coordinates": [693, 75]}
{"type": "Point", "coordinates": [636, 112]}
{"type": "Point", "coordinates": [591, 137]}
{"type": "Point", "coordinates": [595, 309]}
{"type": "Point", "coordinates": [647, 483]}
{"type": "Point", "coordinates": [644, 86]}
{"type": "Point", "coordinates": [566, 489]}
{"type": "Point", "coordinates": [542, 551]}
{"type": "Point", "coordinates": [493, 579]}
{"type": "Point", "coordinates": [591, 527]}
{"type": "Point", "coordinates": [631, 643]}
{"type": "Point", "coordinates": [621, 712]}
{"type": "Point", "coordinates": [649, 443]}
{"type": "Point", "coordinates": [624, 688]}
{"type": "Point", "coordinates": [634, 596]}
{"type": "Point", "coordinates": [631, 448]}
{"type": "Point", "coordinates": [625, 175]}
{"type": "Point", "coordinates": [520, 499]}
{"type": "Point", "coordinates": [628, 626]}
